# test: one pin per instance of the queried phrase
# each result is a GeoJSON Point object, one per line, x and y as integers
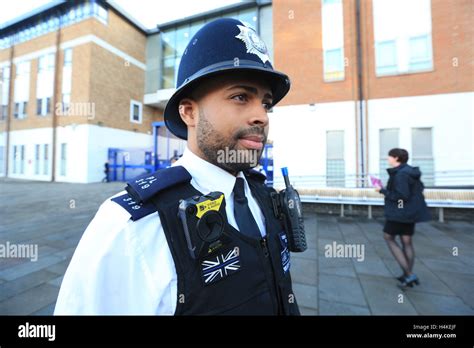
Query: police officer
{"type": "Point", "coordinates": [134, 258]}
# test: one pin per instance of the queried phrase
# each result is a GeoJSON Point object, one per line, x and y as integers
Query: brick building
{"type": "Point", "coordinates": [366, 76]}
{"type": "Point", "coordinates": [371, 75]}
{"type": "Point", "coordinates": [77, 68]}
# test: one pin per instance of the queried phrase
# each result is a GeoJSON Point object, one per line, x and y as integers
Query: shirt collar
{"type": "Point", "coordinates": [208, 177]}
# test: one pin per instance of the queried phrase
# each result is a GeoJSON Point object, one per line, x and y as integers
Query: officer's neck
{"type": "Point", "coordinates": [202, 156]}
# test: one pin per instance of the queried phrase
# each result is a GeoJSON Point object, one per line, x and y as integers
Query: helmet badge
{"type": "Point", "coordinates": [253, 43]}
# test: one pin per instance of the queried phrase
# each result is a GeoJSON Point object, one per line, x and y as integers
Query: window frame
{"type": "Point", "coordinates": [63, 159]}
{"type": "Point", "coordinates": [386, 70]}
{"type": "Point", "coordinates": [134, 103]}
{"type": "Point", "coordinates": [404, 62]}
{"type": "Point", "coordinates": [328, 43]}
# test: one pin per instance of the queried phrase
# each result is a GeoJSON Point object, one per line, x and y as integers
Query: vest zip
{"type": "Point", "coordinates": [263, 243]}
{"type": "Point", "coordinates": [266, 252]}
{"type": "Point", "coordinates": [268, 258]}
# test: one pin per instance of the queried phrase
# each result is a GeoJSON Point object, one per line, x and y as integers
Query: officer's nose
{"type": "Point", "coordinates": [259, 116]}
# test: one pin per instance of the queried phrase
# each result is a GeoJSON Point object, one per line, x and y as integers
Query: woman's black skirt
{"type": "Point", "coordinates": [394, 228]}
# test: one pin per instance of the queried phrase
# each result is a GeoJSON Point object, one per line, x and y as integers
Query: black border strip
{"type": "Point", "coordinates": [138, 330]}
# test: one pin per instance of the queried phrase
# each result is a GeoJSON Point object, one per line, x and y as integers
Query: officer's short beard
{"type": "Point", "coordinates": [215, 147]}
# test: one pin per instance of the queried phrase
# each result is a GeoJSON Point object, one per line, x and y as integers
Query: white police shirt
{"type": "Point", "coordinates": [122, 266]}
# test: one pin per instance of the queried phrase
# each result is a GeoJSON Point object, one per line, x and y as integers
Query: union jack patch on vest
{"type": "Point", "coordinates": [220, 266]}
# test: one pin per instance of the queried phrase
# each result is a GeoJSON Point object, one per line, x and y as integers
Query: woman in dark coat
{"type": "Point", "coordinates": [404, 206]}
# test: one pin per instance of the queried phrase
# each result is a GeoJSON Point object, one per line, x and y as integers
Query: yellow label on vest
{"type": "Point", "coordinates": [209, 205]}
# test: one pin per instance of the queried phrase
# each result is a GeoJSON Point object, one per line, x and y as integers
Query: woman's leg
{"type": "Point", "coordinates": [408, 250]}
{"type": "Point", "coordinates": [398, 253]}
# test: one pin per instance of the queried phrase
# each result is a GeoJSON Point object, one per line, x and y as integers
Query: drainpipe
{"type": "Point", "coordinates": [54, 100]}
{"type": "Point", "coordinates": [360, 96]}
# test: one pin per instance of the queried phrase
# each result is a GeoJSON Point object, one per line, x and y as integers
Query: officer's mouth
{"type": "Point", "coordinates": [254, 142]}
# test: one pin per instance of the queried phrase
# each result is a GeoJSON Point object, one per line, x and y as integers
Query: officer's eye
{"type": "Point", "coordinates": [240, 97]}
{"type": "Point", "coordinates": [267, 106]}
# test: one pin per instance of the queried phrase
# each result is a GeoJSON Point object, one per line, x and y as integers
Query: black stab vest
{"type": "Point", "coordinates": [257, 281]}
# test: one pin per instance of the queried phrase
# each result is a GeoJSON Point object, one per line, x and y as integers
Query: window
{"type": "Point", "coordinates": [422, 153]}
{"type": "Point", "coordinates": [46, 62]}
{"type": "Point", "coordinates": [333, 64]}
{"type": "Point", "coordinates": [46, 24]}
{"type": "Point", "coordinates": [175, 39]}
{"type": "Point", "coordinates": [168, 79]}
{"type": "Point", "coordinates": [402, 33]}
{"type": "Point", "coordinates": [43, 106]}
{"type": "Point", "coordinates": [169, 55]}
{"type": "Point", "coordinates": [3, 112]}
{"type": "Point", "coordinates": [182, 40]}
{"type": "Point", "coordinates": [51, 24]}
{"type": "Point", "coordinates": [333, 40]}
{"type": "Point", "coordinates": [45, 159]}
{"type": "Point", "coordinates": [63, 159]}
{"type": "Point", "coordinates": [248, 17]}
{"type": "Point", "coordinates": [37, 159]}
{"type": "Point", "coordinates": [18, 159]}
{"type": "Point", "coordinates": [45, 84]}
{"type": "Point", "coordinates": [386, 56]}
{"type": "Point", "coordinates": [4, 91]}
{"type": "Point", "coordinates": [20, 110]}
{"type": "Point", "coordinates": [22, 85]}
{"type": "Point", "coordinates": [15, 155]}
{"type": "Point", "coordinates": [39, 106]}
{"type": "Point", "coordinates": [66, 102]}
{"type": "Point", "coordinates": [68, 57]}
{"type": "Point", "coordinates": [135, 112]}
{"type": "Point", "coordinates": [420, 53]}
{"type": "Point", "coordinates": [335, 166]}
{"type": "Point", "coordinates": [22, 159]}
{"type": "Point", "coordinates": [4, 43]}
{"type": "Point", "coordinates": [87, 10]}
{"type": "Point", "coordinates": [80, 12]}
{"type": "Point", "coordinates": [67, 79]}
{"type": "Point", "coordinates": [100, 13]}
{"type": "Point", "coordinates": [16, 111]}
{"type": "Point", "coordinates": [72, 15]}
{"type": "Point", "coordinates": [388, 140]}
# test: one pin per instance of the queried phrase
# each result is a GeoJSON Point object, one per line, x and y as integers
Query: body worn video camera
{"type": "Point", "coordinates": [204, 220]}
{"type": "Point", "coordinates": [287, 207]}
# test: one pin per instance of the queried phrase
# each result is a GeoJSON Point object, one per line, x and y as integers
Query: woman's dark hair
{"type": "Point", "coordinates": [401, 154]}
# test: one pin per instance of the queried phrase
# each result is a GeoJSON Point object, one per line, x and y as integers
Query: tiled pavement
{"type": "Point", "coordinates": [54, 216]}
{"type": "Point", "coordinates": [346, 286]}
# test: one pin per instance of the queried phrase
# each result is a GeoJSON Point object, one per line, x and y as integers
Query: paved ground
{"type": "Point", "coordinates": [54, 216]}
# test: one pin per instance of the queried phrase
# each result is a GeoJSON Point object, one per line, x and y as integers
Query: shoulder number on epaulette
{"type": "Point", "coordinates": [135, 209]}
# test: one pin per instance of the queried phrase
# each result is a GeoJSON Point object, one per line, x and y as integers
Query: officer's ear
{"type": "Point", "coordinates": [188, 110]}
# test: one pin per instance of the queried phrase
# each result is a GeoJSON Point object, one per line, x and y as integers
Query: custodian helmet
{"type": "Point", "coordinates": [222, 45]}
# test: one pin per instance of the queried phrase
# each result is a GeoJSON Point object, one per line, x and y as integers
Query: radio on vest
{"type": "Point", "coordinates": [287, 206]}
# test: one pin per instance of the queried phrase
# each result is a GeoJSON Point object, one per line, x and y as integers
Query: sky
{"type": "Point", "coordinates": [148, 12]}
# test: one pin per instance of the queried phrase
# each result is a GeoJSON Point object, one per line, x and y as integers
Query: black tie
{"type": "Point", "coordinates": [242, 213]}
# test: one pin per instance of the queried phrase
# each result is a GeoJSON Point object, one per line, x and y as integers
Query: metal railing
{"type": "Point", "coordinates": [456, 191]}
{"type": "Point", "coordinates": [463, 179]}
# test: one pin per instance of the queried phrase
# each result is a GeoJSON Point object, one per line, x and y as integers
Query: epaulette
{"type": "Point", "coordinates": [136, 210]}
{"type": "Point", "coordinates": [142, 188]}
